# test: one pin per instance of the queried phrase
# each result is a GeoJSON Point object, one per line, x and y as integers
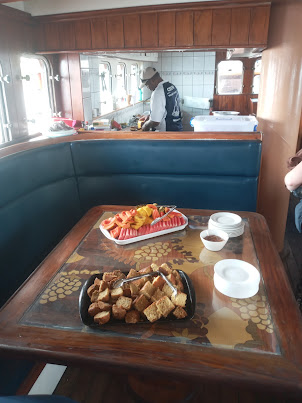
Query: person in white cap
{"type": "Point", "coordinates": [165, 112]}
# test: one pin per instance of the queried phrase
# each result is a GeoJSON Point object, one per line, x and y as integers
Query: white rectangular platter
{"type": "Point", "coordinates": [144, 237]}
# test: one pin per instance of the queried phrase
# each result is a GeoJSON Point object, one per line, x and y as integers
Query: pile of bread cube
{"type": "Point", "coordinates": [146, 299]}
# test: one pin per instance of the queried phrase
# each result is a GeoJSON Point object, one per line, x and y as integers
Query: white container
{"type": "Point", "coordinates": [219, 113]}
{"type": "Point", "coordinates": [211, 245]}
{"type": "Point", "coordinates": [226, 123]}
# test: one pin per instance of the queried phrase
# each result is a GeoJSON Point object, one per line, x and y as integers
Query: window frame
{"type": "Point", "coordinates": [125, 74]}
{"type": "Point", "coordinates": [6, 137]}
{"type": "Point", "coordinates": [217, 79]}
{"type": "Point", "coordinates": [255, 75]}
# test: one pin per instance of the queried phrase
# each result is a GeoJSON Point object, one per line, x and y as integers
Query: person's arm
{"type": "Point", "coordinates": [293, 179]}
{"type": "Point", "coordinates": [149, 125]}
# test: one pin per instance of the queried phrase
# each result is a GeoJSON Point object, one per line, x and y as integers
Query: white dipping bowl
{"type": "Point", "coordinates": [214, 246]}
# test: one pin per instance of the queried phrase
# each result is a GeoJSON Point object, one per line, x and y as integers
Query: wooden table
{"type": "Point", "coordinates": [254, 341]}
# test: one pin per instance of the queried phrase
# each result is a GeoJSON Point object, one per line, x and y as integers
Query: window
{"type": "Point", "coordinates": [121, 87]}
{"type": "Point", "coordinates": [134, 83]}
{"type": "Point", "coordinates": [230, 77]}
{"type": "Point", "coordinates": [106, 102]}
{"type": "Point", "coordinates": [256, 77]}
{"type": "Point", "coordinates": [5, 132]}
{"type": "Point", "coordinates": [38, 92]}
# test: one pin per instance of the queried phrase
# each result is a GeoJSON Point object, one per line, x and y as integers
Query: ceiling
{"type": "Point", "coordinates": [47, 7]}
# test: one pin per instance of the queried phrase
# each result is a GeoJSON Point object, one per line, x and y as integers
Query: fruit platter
{"type": "Point", "coordinates": [135, 225]}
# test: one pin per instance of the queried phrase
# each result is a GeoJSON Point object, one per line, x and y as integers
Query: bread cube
{"type": "Point", "coordinates": [103, 285]}
{"type": "Point", "coordinates": [152, 313]}
{"type": "Point", "coordinates": [116, 293]}
{"type": "Point", "coordinates": [158, 282]}
{"type": "Point", "coordinates": [171, 278]}
{"type": "Point", "coordinates": [165, 269]}
{"type": "Point", "coordinates": [132, 273]}
{"type": "Point", "coordinates": [176, 275]}
{"type": "Point", "coordinates": [165, 306]}
{"type": "Point", "coordinates": [104, 295]}
{"type": "Point", "coordinates": [167, 290]}
{"type": "Point", "coordinates": [93, 309]}
{"type": "Point", "coordinates": [179, 299]}
{"type": "Point", "coordinates": [102, 317]}
{"type": "Point", "coordinates": [134, 289]}
{"type": "Point", "coordinates": [124, 302]}
{"type": "Point", "coordinates": [91, 289]}
{"type": "Point", "coordinates": [141, 303]}
{"type": "Point", "coordinates": [126, 290]}
{"type": "Point", "coordinates": [104, 306]}
{"type": "Point", "coordinates": [94, 296]}
{"type": "Point", "coordinates": [118, 312]}
{"type": "Point", "coordinates": [154, 267]}
{"type": "Point", "coordinates": [132, 317]}
{"type": "Point", "coordinates": [109, 276]}
{"type": "Point", "coordinates": [147, 290]}
{"type": "Point", "coordinates": [157, 295]}
{"type": "Point", "coordinates": [179, 312]}
{"type": "Point", "coordinates": [146, 270]}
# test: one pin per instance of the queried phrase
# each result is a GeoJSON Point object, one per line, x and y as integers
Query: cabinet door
{"type": "Point", "coordinates": [67, 37]}
{"type": "Point", "coordinates": [149, 30]}
{"type": "Point", "coordinates": [221, 27]}
{"type": "Point", "coordinates": [184, 28]}
{"type": "Point", "coordinates": [99, 33]}
{"type": "Point", "coordinates": [203, 27]}
{"type": "Point", "coordinates": [166, 29]}
{"type": "Point", "coordinates": [132, 31]}
{"type": "Point", "coordinates": [259, 25]}
{"type": "Point", "coordinates": [240, 26]}
{"type": "Point", "coordinates": [115, 28]}
{"type": "Point", "coordinates": [82, 35]}
{"type": "Point", "coordinates": [51, 36]}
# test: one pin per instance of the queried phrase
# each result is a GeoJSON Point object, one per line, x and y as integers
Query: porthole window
{"type": "Point", "coordinates": [38, 92]}
{"type": "Point", "coordinates": [230, 77]}
{"type": "Point", "coordinates": [256, 77]}
{"type": "Point", "coordinates": [106, 103]}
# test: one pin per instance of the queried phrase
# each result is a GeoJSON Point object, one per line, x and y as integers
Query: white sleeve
{"type": "Point", "coordinates": [158, 107]}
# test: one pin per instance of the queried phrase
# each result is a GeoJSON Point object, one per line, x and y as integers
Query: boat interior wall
{"type": "Point", "coordinates": [279, 111]}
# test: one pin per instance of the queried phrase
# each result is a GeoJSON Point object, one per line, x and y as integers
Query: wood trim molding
{"type": "Point", "coordinates": [148, 9]}
{"type": "Point", "coordinates": [92, 135]}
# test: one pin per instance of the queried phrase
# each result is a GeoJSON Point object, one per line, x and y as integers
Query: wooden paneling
{"type": "Point", "coordinates": [203, 27]}
{"type": "Point", "coordinates": [75, 86]}
{"type": "Point", "coordinates": [51, 36]}
{"type": "Point", "coordinates": [184, 28]}
{"type": "Point", "coordinates": [99, 33]}
{"type": "Point", "coordinates": [115, 28]}
{"type": "Point", "coordinates": [166, 29]}
{"type": "Point", "coordinates": [149, 30]}
{"type": "Point", "coordinates": [221, 28]}
{"type": "Point", "coordinates": [240, 26]}
{"type": "Point", "coordinates": [259, 25]}
{"type": "Point", "coordinates": [132, 31]}
{"type": "Point", "coordinates": [82, 30]}
{"type": "Point", "coordinates": [67, 36]}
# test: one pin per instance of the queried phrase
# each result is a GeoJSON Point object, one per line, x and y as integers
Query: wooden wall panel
{"type": "Point", "coordinates": [82, 30]}
{"type": "Point", "coordinates": [259, 25]}
{"type": "Point", "coordinates": [203, 27]}
{"type": "Point", "coordinates": [99, 33]}
{"type": "Point", "coordinates": [132, 31]}
{"type": "Point", "coordinates": [240, 26]}
{"type": "Point", "coordinates": [184, 28]}
{"type": "Point", "coordinates": [115, 28]}
{"type": "Point", "coordinates": [67, 36]}
{"type": "Point", "coordinates": [51, 36]}
{"type": "Point", "coordinates": [149, 30]}
{"type": "Point", "coordinates": [166, 29]}
{"type": "Point", "coordinates": [75, 86]}
{"type": "Point", "coordinates": [221, 28]}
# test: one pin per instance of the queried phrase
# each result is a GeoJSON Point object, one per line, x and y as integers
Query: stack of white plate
{"type": "Point", "coordinates": [230, 223]}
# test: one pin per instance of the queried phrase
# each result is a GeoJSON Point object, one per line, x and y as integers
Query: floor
{"type": "Point", "coordinates": [91, 386]}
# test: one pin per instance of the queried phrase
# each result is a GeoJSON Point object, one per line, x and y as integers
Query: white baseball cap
{"type": "Point", "coordinates": [147, 73]}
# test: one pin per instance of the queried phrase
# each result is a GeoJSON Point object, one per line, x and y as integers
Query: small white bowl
{"type": "Point", "coordinates": [212, 245]}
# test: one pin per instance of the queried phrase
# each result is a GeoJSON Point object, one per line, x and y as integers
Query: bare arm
{"type": "Point", "coordinates": [293, 179]}
{"type": "Point", "coordinates": [149, 125]}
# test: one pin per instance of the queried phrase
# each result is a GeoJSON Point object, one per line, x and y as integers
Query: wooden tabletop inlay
{"type": "Point", "coordinates": [219, 321]}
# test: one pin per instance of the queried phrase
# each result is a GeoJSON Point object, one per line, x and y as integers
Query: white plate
{"type": "Point", "coordinates": [143, 237]}
{"type": "Point", "coordinates": [61, 133]}
{"type": "Point", "coordinates": [226, 219]}
{"type": "Point", "coordinates": [232, 233]}
{"type": "Point", "coordinates": [236, 278]}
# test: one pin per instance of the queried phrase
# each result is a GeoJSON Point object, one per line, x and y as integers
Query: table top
{"type": "Point", "coordinates": [243, 340]}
